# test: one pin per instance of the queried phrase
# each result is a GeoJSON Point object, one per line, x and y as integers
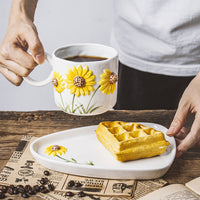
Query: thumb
{"type": "Point", "coordinates": [178, 121]}
{"type": "Point", "coordinates": [35, 46]}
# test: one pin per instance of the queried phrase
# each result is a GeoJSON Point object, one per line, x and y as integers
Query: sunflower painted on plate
{"type": "Point", "coordinates": [80, 81]}
{"type": "Point", "coordinates": [55, 149]}
{"type": "Point", "coordinates": [108, 82]}
{"type": "Point", "coordinates": [58, 82]}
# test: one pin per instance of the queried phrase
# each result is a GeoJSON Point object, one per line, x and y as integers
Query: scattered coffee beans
{"type": "Point", "coordinates": [69, 194]}
{"type": "Point", "coordinates": [77, 184]}
{"type": "Point", "coordinates": [2, 196]}
{"type": "Point", "coordinates": [46, 173]}
{"type": "Point", "coordinates": [15, 191]}
{"type": "Point", "coordinates": [51, 187]}
{"type": "Point", "coordinates": [10, 191]}
{"type": "Point", "coordinates": [24, 195]}
{"type": "Point", "coordinates": [71, 183]}
{"type": "Point", "coordinates": [81, 194]}
{"type": "Point", "coordinates": [28, 190]}
{"type": "Point", "coordinates": [36, 188]}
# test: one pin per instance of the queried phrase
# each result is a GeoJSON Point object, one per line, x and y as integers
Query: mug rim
{"type": "Point", "coordinates": [86, 44]}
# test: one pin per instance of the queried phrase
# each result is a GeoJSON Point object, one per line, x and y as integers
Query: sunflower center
{"type": "Point", "coordinates": [113, 78]}
{"type": "Point", "coordinates": [55, 148]}
{"type": "Point", "coordinates": [79, 81]}
{"type": "Point", "coordinates": [55, 82]}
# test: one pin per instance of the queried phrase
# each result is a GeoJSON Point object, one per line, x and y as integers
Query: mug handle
{"type": "Point", "coordinates": [33, 82]}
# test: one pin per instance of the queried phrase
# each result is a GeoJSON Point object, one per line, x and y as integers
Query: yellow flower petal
{"type": "Point", "coordinates": [54, 153]}
{"type": "Point", "coordinates": [90, 88]}
{"type": "Point", "coordinates": [103, 81]}
{"type": "Point", "coordinates": [71, 72]}
{"type": "Point", "coordinates": [75, 71]}
{"type": "Point", "coordinates": [85, 70]}
{"type": "Point", "coordinates": [87, 92]}
{"type": "Point", "coordinates": [113, 87]}
{"type": "Point", "coordinates": [49, 153]}
{"type": "Point", "coordinates": [77, 92]}
{"type": "Point", "coordinates": [89, 73]}
{"type": "Point", "coordinates": [69, 86]}
{"type": "Point", "coordinates": [73, 89]}
{"type": "Point", "coordinates": [91, 78]}
{"type": "Point", "coordinates": [104, 76]}
{"type": "Point", "coordinates": [82, 92]}
{"type": "Point", "coordinates": [104, 86]}
{"type": "Point", "coordinates": [90, 83]}
{"type": "Point", "coordinates": [80, 70]}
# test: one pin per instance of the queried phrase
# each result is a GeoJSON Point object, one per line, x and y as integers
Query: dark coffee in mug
{"type": "Point", "coordinates": [84, 58]}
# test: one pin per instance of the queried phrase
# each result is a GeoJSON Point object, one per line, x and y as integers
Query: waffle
{"type": "Point", "coordinates": [131, 141]}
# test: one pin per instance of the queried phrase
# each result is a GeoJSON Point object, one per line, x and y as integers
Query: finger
{"type": "Point", "coordinates": [178, 141]}
{"type": "Point", "coordinates": [16, 68]}
{"type": "Point", "coordinates": [10, 76]}
{"type": "Point", "coordinates": [21, 57]}
{"type": "Point", "coordinates": [192, 138]}
{"type": "Point", "coordinates": [179, 119]}
{"type": "Point", "coordinates": [182, 133]}
{"type": "Point", "coordinates": [35, 46]}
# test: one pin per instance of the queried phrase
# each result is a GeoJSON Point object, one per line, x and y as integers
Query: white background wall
{"type": "Point", "coordinates": [58, 22]}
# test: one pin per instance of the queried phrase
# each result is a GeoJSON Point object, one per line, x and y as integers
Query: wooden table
{"type": "Point", "coordinates": [15, 124]}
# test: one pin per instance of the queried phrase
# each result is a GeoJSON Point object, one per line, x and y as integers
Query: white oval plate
{"type": "Point", "coordinates": [83, 145]}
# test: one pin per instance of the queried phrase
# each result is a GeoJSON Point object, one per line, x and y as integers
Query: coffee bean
{"type": "Point", "coordinates": [70, 183]}
{"type": "Point", "coordinates": [32, 192]}
{"type": "Point", "coordinates": [20, 186]}
{"type": "Point", "coordinates": [24, 195]}
{"type": "Point", "coordinates": [42, 181]}
{"type": "Point", "coordinates": [36, 188]}
{"type": "Point", "coordinates": [44, 191]}
{"type": "Point", "coordinates": [42, 187]}
{"type": "Point", "coordinates": [81, 194]}
{"type": "Point", "coordinates": [2, 196]}
{"type": "Point", "coordinates": [2, 191]}
{"type": "Point", "coordinates": [27, 188]}
{"type": "Point", "coordinates": [10, 191]}
{"type": "Point", "coordinates": [4, 188]}
{"type": "Point", "coordinates": [77, 184]}
{"type": "Point", "coordinates": [21, 190]}
{"type": "Point", "coordinates": [51, 187]}
{"type": "Point", "coordinates": [46, 179]}
{"type": "Point", "coordinates": [11, 186]}
{"type": "Point", "coordinates": [69, 194]}
{"type": "Point", "coordinates": [15, 191]}
{"type": "Point", "coordinates": [46, 173]}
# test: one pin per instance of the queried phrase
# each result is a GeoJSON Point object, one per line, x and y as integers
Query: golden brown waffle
{"type": "Point", "coordinates": [131, 141]}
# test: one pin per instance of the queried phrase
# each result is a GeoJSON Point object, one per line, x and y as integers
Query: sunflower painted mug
{"type": "Point", "coordinates": [83, 87]}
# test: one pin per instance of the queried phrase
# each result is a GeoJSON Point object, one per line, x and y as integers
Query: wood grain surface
{"type": "Point", "coordinates": [15, 124]}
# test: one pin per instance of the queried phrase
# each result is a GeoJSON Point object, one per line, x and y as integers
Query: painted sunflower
{"type": "Point", "coordinates": [80, 81]}
{"type": "Point", "coordinates": [55, 149]}
{"type": "Point", "coordinates": [58, 82]}
{"type": "Point", "coordinates": [108, 82]}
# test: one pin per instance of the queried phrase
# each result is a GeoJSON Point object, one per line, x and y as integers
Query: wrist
{"type": "Point", "coordinates": [22, 10]}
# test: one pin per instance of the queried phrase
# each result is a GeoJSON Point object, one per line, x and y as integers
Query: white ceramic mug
{"type": "Point", "coordinates": [83, 88]}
